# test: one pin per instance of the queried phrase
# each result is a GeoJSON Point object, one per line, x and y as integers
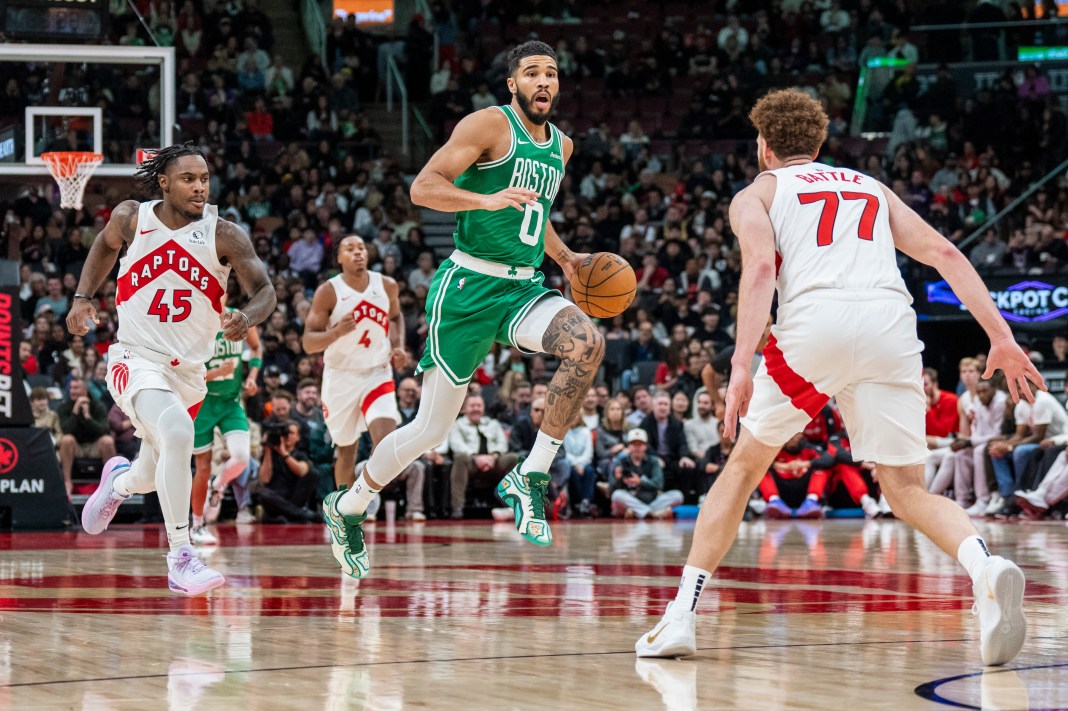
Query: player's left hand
{"type": "Point", "coordinates": [398, 359]}
{"type": "Point", "coordinates": [251, 388]}
{"type": "Point", "coordinates": [1010, 359]}
{"type": "Point", "coordinates": [570, 266]}
{"type": "Point", "coordinates": [234, 325]}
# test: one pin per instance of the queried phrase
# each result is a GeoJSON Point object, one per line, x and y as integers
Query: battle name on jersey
{"type": "Point", "coordinates": [534, 175]}
{"type": "Point", "coordinates": [826, 176]}
{"type": "Point", "coordinates": [367, 310]}
{"type": "Point", "coordinates": [169, 257]}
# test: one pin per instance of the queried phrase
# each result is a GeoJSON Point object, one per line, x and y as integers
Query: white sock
{"type": "Point", "coordinates": [775, 498]}
{"type": "Point", "coordinates": [814, 497]}
{"type": "Point", "coordinates": [690, 586]}
{"type": "Point", "coordinates": [198, 521]}
{"type": "Point", "coordinates": [973, 555]}
{"type": "Point", "coordinates": [541, 454]}
{"type": "Point", "coordinates": [355, 501]}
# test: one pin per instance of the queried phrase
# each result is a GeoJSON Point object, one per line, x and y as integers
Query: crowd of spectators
{"type": "Point", "coordinates": [661, 146]}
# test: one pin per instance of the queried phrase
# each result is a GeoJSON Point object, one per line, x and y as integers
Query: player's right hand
{"type": "Point", "coordinates": [1010, 359]}
{"type": "Point", "coordinates": [739, 393]}
{"type": "Point", "coordinates": [346, 325]}
{"type": "Point", "coordinates": [518, 198]}
{"type": "Point", "coordinates": [81, 310]}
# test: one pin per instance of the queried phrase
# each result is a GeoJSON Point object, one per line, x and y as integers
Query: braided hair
{"type": "Point", "coordinates": [148, 174]}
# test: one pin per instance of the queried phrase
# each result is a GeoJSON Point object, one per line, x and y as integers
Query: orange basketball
{"type": "Point", "coordinates": [604, 285]}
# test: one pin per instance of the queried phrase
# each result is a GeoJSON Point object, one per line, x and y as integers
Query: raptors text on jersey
{"type": "Point", "coordinates": [171, 286]}
{"type": "Point", "coordinates": [367, 347]}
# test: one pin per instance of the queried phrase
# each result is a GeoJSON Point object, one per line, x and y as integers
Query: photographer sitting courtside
{"type": "Point", "coordinates": [287, 479]}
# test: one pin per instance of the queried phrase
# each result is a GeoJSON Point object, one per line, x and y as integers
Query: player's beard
{"type": "Point", "coordinates": [527, 107]}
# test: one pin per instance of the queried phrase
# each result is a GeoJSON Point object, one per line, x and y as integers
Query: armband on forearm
{"type": "Point", "coordinates": [255, 362]}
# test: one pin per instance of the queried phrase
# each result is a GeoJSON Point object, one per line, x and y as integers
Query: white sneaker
{"type": "Point", "coordinates": [995, 505]}
{"type": "Point", "coordinates": [675, 635]}
{"type": "Point", "coordinates": [758, 506]}
{"type": "Point", "coordinates": [417, 517]}
{"type": "Point", "coordinates": [1032, 502]}
{"type": "Point", "coordinates": [977, 509]}
{"type": "Point", "coordinates": [213, 502]}
{"type": "Point", "coordinates": [884, 507]}
{"type": "Point", "coordinates": [999, 595]}
{"type": "Point", "coordinates": [187, 574]}
{"type": "Point", "coordinates": [870, 506]}
{"type": "Point", "coordinates": [245, 516]}
{"type": "Point", "coordinates": [201, 536]}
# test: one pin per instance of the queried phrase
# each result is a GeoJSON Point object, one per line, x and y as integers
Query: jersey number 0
{"type": "Point", "coordinates": [534, 213]}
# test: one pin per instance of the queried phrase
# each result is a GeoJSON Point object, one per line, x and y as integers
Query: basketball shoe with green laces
{"type": "Point", "coordinates": [526, 494]}
{"type": "Point", "coordinates": [346, 537]}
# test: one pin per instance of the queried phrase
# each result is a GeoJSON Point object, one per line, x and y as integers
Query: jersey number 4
{"type": "Point", "coordinates": [825, 230]}
{"type": "Point", "coordinates": [180, 302]}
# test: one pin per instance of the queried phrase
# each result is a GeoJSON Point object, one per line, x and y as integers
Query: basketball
{"type": "Point", "coordinates": [604, 285]}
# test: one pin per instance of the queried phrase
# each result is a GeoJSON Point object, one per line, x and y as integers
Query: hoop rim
{"type": "Point", "coordinates": [73, 156]}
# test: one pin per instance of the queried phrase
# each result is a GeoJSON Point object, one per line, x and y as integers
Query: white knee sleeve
{"type": "Point", "coordinates": [438, 408]}
{"type": "Point", "coordinates": [170, 430]}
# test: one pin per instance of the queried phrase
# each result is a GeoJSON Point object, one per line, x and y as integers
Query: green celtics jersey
{"type": "Point", "coordinates": [509, 236]}
{"type": "Point", "coordinates": [229, 386]}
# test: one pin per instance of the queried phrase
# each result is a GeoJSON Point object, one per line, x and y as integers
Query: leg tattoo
{"type": "Point", "coordinates": [578, 344]}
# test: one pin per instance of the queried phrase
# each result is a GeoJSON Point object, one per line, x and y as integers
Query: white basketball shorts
{"type": "Point", "coordinates": [352, 399]}
{"type": "Point", "coordinates": [131, 370]}
{"type": "Point", "coordinates": [856, 346]}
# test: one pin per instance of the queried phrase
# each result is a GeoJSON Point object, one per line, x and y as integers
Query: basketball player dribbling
{"type": "Point", "coordinates": [499, 171]}
{"type": "Point", "coordinates": [222, 409]}
{"type": "Point", "coordinates": [845, 329]}
{"type": "Point", "coordinates": [355, 318]}
{"type": "Point", "coordinates": [170, 306]}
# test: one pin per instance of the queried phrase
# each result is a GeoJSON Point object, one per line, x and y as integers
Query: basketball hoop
{"type": "Point", "coordinates": [71, 169]}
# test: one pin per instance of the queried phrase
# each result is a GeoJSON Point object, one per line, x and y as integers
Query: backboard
{"type": "Point", "coordinates": [105, 99]}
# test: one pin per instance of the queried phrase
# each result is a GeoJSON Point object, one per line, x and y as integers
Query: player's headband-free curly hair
{"type": "Point", "coordinates": [147, 176]}
{"type": "Point", "coordinates": [791, 122]}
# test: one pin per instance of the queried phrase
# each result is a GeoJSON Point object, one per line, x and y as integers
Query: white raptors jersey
{"type": "Point", "coordinates": [170, 287]}
{"type": "Point", "coordinates": [368, 346]}
{"type": "Point", "coordinates": [832, 231]}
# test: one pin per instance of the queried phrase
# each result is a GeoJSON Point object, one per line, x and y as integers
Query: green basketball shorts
{"type": "Point", "coordinates": [473, 303]}
{"type": "Point", "coordinates": [222, 412]}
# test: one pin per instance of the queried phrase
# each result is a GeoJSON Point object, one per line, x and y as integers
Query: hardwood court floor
{"type": "Point", "coordinates": [816, 615]}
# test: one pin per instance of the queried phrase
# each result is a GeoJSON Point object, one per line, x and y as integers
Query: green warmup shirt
{"type": "Point", "coordinates": [510, 236]}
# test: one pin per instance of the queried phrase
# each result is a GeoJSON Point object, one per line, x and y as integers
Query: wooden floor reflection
{"type": "Point", "coordinates": [803, 615]}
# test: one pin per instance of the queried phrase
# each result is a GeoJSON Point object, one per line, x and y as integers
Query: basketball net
{"type": "Point", "coordinates": [71, 169]}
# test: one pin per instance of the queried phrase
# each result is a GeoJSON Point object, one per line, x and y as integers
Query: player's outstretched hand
{"type": "Point", "coordinates": [1010, 359]}
{"type": "Point", "coordinates": [77, 318]}
{"type": "Point", "coordinates": [234, 325]}
{"type": "Point", "coordinates": [398, 359]}
{"type": "Point", "coordinates": [518, 198]}
{"type": "Point", "coordinates": [739, 393]}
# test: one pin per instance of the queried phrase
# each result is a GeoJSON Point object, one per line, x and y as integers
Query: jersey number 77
{"type": "Point", "coordinates": [830, 199]}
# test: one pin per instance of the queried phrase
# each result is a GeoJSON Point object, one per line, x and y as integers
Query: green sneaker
{"type": "Point", "coordinates": [346, 538]}
{"type": "Point", "coordinates": [526, 494]}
